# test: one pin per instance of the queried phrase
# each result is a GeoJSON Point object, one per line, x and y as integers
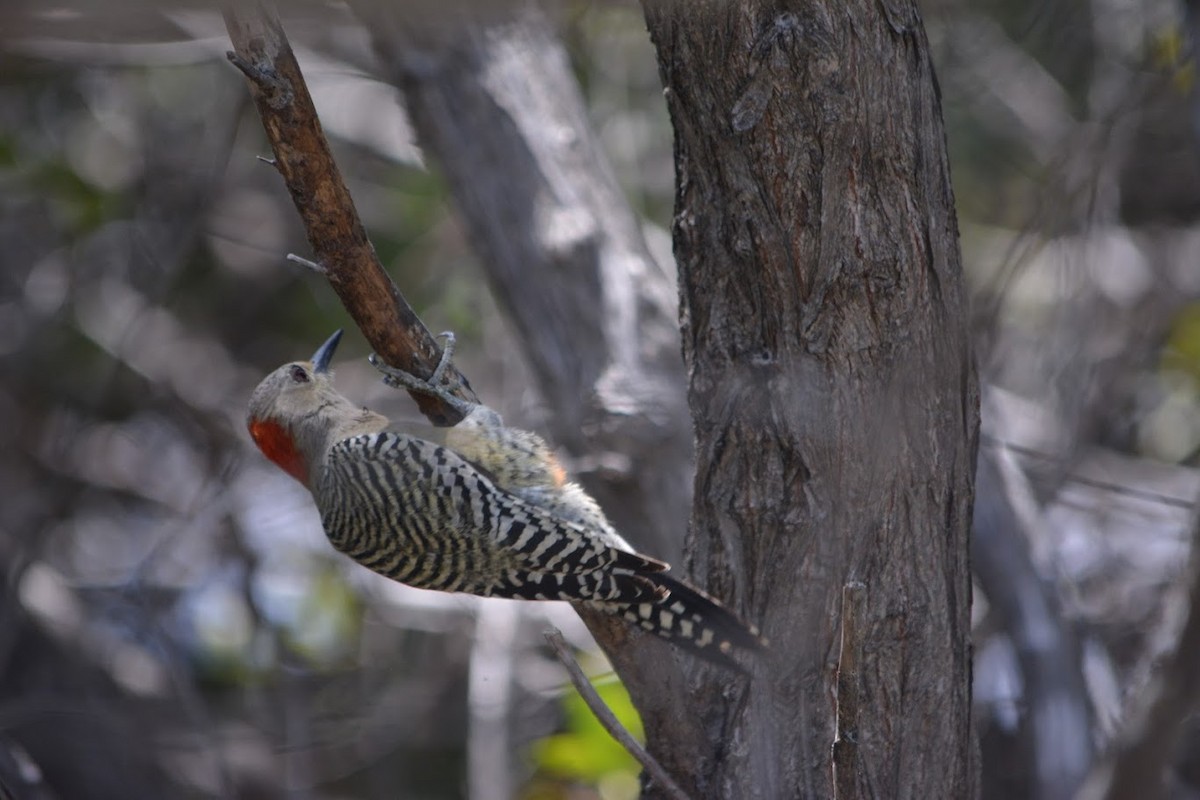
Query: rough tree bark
{"type": "Point", "coordinates": [833, 392]}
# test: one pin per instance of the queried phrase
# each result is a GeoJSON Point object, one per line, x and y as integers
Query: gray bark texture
{"type": "Point", "coordinates": [829, 376]}
{"type": "Point", "coordinates": [833, 394]}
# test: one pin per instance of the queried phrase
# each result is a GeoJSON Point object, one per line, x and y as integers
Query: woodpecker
{"type": "Point", "coordinates": [477, 508]}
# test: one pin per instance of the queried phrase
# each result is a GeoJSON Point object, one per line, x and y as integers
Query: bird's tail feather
{"type": "Point", "coordinates": [692, 620]}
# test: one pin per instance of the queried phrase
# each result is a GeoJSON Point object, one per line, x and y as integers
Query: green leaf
{"type": "Point", "coordinates": [585, 751]}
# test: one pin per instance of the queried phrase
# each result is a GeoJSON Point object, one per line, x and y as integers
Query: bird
{"type": "Point", "coordinates": [478, 508]}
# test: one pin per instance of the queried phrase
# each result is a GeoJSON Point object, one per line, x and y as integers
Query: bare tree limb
{"type": "Point", "coordinates": [1138, 763]}
{"type": "Point", "coordinates": [335, 232]}
{"type": "Point", "coordinates": [1058, 717]}
{"type": "Point", "coordinates": [607, 719]}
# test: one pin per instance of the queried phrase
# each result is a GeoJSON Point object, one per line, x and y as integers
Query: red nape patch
{"type": "Point", "coordinates": [276, 444]}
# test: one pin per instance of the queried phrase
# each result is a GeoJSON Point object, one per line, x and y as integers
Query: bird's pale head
{"type": "Point", "coordinates": [296, 414]}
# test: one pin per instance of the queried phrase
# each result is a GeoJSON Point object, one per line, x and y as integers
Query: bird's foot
{"type": "Point", "coordinates": [435, 386]}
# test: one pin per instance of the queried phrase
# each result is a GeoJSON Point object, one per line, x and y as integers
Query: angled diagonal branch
{"type": "Point", "coordinates": [335, 232]}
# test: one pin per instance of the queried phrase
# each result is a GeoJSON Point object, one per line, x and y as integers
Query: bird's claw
{"type": "Point", "coordinates": [435, 386]}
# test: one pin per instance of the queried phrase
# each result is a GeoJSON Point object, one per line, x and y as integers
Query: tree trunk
{"type": "Point", "coordinates": [834, 398]}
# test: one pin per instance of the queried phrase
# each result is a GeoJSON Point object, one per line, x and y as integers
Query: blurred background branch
{"type": "Point", "coordinates": [1140, 760]}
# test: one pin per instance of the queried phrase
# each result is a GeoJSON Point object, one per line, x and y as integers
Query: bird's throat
{"type": "Point", "coordinates": [278, 445]}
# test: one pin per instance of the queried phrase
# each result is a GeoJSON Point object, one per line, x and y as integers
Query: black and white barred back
{"type": "Point", "coordinates": [419, 513]}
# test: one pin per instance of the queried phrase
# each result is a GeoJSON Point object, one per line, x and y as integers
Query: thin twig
{"type": "Point", "coordinates": [304, 262]}
{"type": "Point", "coordinates": [849, 692]}
{"type": "Point", "coordinates": [1116, 488]}
{"type": "Point", "coordinates": [609, 720]}
{"type": "Point", "coordinates": [336, 234]}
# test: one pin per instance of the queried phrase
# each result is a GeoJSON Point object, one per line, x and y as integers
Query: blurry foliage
{"type": "Point", "coordinates": [585, 752]}
{"type": "Point", "coordinates": [1182, 353]}
{"type": "Point", "coordinates": [1170, 51]}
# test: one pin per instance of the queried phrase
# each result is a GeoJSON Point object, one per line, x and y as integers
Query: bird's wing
{"type": "Point", "coordinates": [420, 513]}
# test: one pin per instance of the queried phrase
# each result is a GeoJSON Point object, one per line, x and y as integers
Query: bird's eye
{"type": "Point", "coordinates": [299, 375]}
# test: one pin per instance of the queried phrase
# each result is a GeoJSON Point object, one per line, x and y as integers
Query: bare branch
{"type": "Point", "coordinates": [609, 721]}
{"type": "Point", "coordinates": [335, 232]}
{"type": "Point", "coordinates": [1058, 716]}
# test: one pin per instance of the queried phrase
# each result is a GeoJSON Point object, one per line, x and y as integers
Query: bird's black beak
{"type": "Point", "coordinates": [324, 353]}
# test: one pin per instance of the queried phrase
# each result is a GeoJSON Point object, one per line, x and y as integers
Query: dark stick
{"type": "Point", "coordinates": [608, 720]}
{"type": "Point", "coordinates": [336, 234]}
